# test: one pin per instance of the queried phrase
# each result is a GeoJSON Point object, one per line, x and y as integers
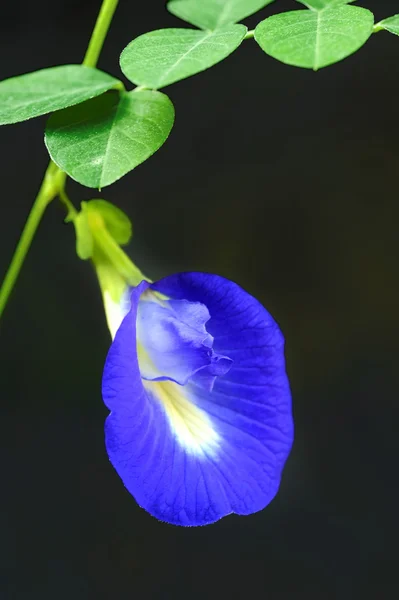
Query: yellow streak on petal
{"type": "Point", "coordinates": [190, 424]}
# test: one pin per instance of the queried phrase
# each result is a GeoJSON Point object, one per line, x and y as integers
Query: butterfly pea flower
{"type": "Point", "coordinates": [200, 422]}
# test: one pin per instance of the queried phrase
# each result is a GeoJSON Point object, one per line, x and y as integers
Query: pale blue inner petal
{"type": "Point", "coordinates": [173, 343]}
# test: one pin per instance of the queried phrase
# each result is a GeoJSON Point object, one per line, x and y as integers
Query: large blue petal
{"type": "Point", "coordinates": [190, 456]}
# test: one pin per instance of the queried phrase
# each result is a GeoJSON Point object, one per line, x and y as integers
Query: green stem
{"type": "Point", "coordinates": [48, 191]}
{"type": "Point", "coordinates": [250, 35]}
{"type": "Point", "coordinates": [54, 180]}
{"type": "Point", "coordinates": [377, 27]}
{"type": "Point", "coordinates": [71, 210]}
{"type": "Point", "coordinates": [100, 31]}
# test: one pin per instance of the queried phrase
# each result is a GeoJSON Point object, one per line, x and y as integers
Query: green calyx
{"type": "Point", "coordinates": [101, 228]}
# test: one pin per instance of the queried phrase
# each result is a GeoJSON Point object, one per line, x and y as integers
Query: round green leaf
{"type": "Point", "coordinates": [48, 90]}
{"type": "Point", "coordinates": [164, 56]}
{"type": "Point", "coordinates": [211, 14]}
{"type": "Point", "coordinates": [99, 141]}
{"type": "Point", "coordinates": [391, 24]}
{"type": "Point", "coordinates": [311, 39]}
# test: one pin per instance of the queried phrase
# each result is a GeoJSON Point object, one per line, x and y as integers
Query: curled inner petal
{"type": "Point", "coordinates": [173, 343]}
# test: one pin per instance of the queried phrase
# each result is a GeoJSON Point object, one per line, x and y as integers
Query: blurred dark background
{"type": "Point", "coordinates": [283, 180]}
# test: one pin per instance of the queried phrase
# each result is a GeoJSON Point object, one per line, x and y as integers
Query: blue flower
{"type": "Point", "coordinates": [201, 423]}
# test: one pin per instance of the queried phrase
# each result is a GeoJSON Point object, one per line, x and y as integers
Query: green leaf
{"type": "Point", "coordinates": [115, 220]}
{"type": "Point", "coordinates": [391, 24]}
{"type": "Point", "coordinates": [322, 4]}
{"type": "Point", "coordinates": [84, 238]}
{"type": "Point", "coordinates": [45, 91]}
{"type": "Point", "coordinates": [212, 14]}
{"type": "Point", "coordinates": [164, 56]}
{"type": "Point", "coordinates": [98, 142]}
{"type": "Point", "coordinates": [312, 40]}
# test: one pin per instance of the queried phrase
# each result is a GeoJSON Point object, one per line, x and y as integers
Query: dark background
{"type": "Point", "coordinates": [283, 180]}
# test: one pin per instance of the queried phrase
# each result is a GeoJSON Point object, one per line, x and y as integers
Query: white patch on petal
{"type": "Point", "coordinates": [115, 311]}
{"type": "Point", "coordinates": [191, 425]}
